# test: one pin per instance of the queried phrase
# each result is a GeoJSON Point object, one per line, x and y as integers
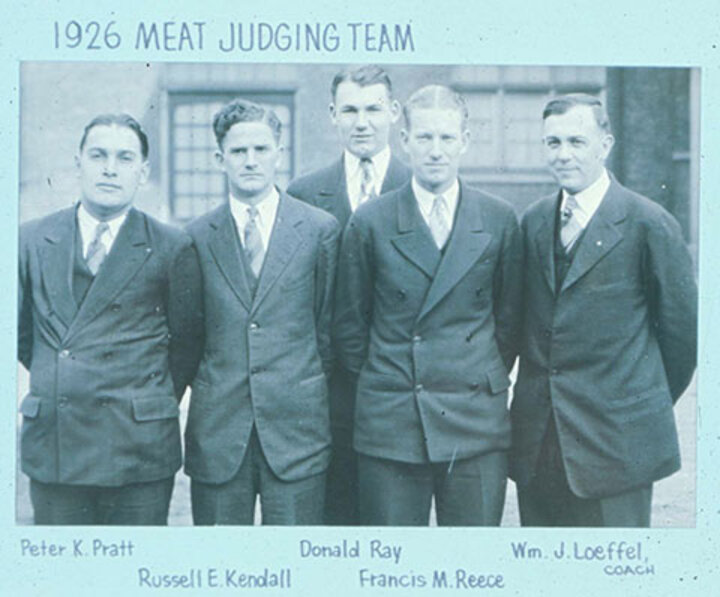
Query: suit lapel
{"type": "Point", "coordinates": [545, 242]}
{"type": "Point", "coordinates": [466, 245]}
{"type": "Point", "coordinates": [333, 196]}
{"type": "Point", "coordinates": [599, 238]}
{"type": "Point", "coordinates": [284, 242]}
{"type": "Point", "coordinates": [57, 257]}
{"type": "Point", "coordinates": [415, 241]}
{"type": "Point", "coordinates": [131, 249]}
{"type": "Point", "coordinates": [224, 246]}
{"type": "Point", "coordinates": [395, 176]}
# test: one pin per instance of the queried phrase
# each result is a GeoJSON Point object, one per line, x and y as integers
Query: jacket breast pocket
{"type": "Point", "coordinates": [155, 408]}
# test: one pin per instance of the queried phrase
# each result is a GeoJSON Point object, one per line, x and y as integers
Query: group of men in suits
{"type": "Point", "coordinates": [354, 382]}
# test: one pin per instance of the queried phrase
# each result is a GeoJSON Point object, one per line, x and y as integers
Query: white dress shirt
{"type": "Point", "coordinates": [354, 174]}
{"type": "Point", "coordinates": [425, 200]}
{"type": "Point", "coordinates": [267, 210]}
{"type": "Point", "coordinates": [88, 224]}
{"type": "Point", "coordinates": [589, 199]}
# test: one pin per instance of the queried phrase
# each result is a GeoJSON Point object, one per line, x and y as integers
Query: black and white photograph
{"type": "Point", "coordinates": [357, 295]}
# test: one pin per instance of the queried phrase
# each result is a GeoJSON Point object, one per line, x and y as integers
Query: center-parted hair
{"type": "Point", "coordinates": [564, 103]}
{"type": "Point", "coordinates": [366, 75]}
{"type": "Point", "coordinates": [241, 110]}
{"type": "Point", "coordinates": [436, 96]}
{"type": "Point", "coordinates": [124, 120]}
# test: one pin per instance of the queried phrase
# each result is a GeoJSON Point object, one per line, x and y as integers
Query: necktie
{"type": "Point", "coordinates": [570, 227]}
{"type": "Point", "coordinates": [96, 249]}
{"type": "Point", "coordinates": [367, 185]}
{"type": "Point", "coordinates": [439, 224]}
{"type": "Point", "coordinates": [254, 250]}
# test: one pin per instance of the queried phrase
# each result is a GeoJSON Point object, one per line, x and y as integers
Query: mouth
{"type": "Point", "coordinates": [108, 186]}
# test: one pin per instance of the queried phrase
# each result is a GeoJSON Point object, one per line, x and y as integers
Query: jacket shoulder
{"type": "Point", "coordinates": [316, 215]}
{"type": "Point", "coordinates": [199, 226]}
{"type": "Point", "coordinates": [164, 235]}
{"type": "Point", "coordinates": [492, 204]}
{"type": "Point", "coordinates": [306, 187]}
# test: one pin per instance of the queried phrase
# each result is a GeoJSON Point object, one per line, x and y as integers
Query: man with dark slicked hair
{"type": "Point", "coordinates": [110, 329]}
{"type": "Point", "coordinates": [609, 340]}
{"type": "Point", "coordinates": [363, 111]}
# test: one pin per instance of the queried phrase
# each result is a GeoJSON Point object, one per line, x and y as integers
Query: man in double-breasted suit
{"type": "Point", "coordinates": [363, 111]}
{"type": "Point", "coordinates": [109, 324]}
{"type": "Point", "coordinates": [427, 315]}
{"type": "Point", "coordinates": [610, 333]}
{"type": "Point", "coordinates": [259, 417]}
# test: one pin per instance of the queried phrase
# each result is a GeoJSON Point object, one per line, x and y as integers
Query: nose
{"type": "Point", "coordinates": [251, 160]}
{"type": "Point", "coordinates": [110, 166]}
{"type": "Point", "coordinates": [361, 120]}
{"type": "Point", "coordinates": [563, 152]}
{"type": "Point", "coordinates": [435, 151]}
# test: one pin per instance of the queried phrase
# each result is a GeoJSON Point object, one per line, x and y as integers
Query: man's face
{"type": "Point", "coordinates": [363, 117]}
{"type": "Point", "coordinates": [435, 141]}
{"type": "Point", "coordinates": [111, 169]}
{"type": "Point", "coordinates": [249, 156]}
{"type": "Point", "coordinates": [576, 147]}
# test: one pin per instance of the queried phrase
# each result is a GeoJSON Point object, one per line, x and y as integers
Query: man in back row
{"type": "Point", "coordinates": [363, 111]}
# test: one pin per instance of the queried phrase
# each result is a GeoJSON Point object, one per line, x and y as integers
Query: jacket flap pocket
{"type": "Point", "coordinates": [157, 407]}
{"type": "Point", "coordinates": [498, 380]}
{"type": "Point", "coordinates": [30, 406]}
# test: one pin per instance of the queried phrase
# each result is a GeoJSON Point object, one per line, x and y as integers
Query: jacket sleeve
{"type": "Point", "coordinates": [325, 270]}
{"type": "Point", "coordinates": [673, 298]}
{"type": "Point", "coordinates": [185, 316]}
{"type": "Point", "coordinates": [508, 293]}
{"type": "Point", "coordinates": [353, 298]}
{"type": "Point", "coordinates": [25, 307]}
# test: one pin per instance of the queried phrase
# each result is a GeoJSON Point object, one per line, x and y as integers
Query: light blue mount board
{"type": "Point", "coordinates": [611, 33]}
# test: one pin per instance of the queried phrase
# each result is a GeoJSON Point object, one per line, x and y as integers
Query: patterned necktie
{"type": "Point", "coordinates": [253, 244]}
{"type": "Point", "coordinates": [96, 249]}
{"type": "Point", "coordinates": [570, 227]}
{"type": "Point", "coordinates": [439, 221]}
{"type": "Point", "coordinates": [367, 185]}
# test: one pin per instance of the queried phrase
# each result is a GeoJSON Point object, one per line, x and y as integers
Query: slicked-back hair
{"type": "Point", "coordinates": [122, 119]}
{"type": "Point", "coordinates": [241, 110]}
{"type": "Point", "coordinates": [436, 96]}
{"type": "Point", "coordinates": [564, 103]}
{"type": "Point", "coordinates": [364, 76]}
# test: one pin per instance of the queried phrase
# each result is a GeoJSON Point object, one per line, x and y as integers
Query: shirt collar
{"type": "Point", "coordinates": [88, 223]}
{"type": "Point", "coordinates": [426, 199]}
{"type": "Point", "coordinates": [380, 162]}
{"type": "Point", "coordinates": [266, 209]}
{"type": "Point", "coordinates": [589, 199]}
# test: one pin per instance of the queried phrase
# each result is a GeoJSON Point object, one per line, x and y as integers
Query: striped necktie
{"type": "Point", "coordinates": [570, 227]}
{"type": "Point", "coordinates": [252, 241]}
{"type": "Point", "coordinates": [438, 220]}
{"type": "Point", "coordinates": [367, 185]}
{"type": "Point", "coordinates": [96, 249]}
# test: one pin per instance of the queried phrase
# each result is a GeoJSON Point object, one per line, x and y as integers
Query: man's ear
{"type": "Point", "coordinates": [144, 172]}
{"type": "Point", "coordinates": [333, 113]}
{"type": "Point", "coordinates": [219, 159]}
{"type": "Point", "coordinates": [404, 138]}
{"type": "Point", "coordinates": [395, 110]}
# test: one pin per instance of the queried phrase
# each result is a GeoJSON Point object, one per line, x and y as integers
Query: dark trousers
{"type": "Point", "coordinates": [282, 502]}
{"type": "Point", "coordinates": [341, 495]}
{"type": "Point", "coordinates": [548, 501]}
{"type": "Point", "coordinates": [468, 492]}
{"type": "Point", "coordinates": [133, 504]}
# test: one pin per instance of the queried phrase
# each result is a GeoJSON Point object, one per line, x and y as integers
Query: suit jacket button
{"type": "Point", "coordinates": [417, 339]}
{"type": "Point", "coordinates": [554, 371]}
{"type": "Point", "coordinates": [64, 354]}
{"type": "Point", "coordinates": [254, 325]}
{"type": "Point", "coordinates": [419, 388]}
{"type": "Point", "coordinates": [62, 402]}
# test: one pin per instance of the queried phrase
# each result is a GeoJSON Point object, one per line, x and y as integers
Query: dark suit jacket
{"type": "Point", "coordinates": [266, 357]}
{"type": "Point", "coordinates": [105, 376]}
{"type": "Point", "coordinates": [327, 189]}
{"type": "Point", "coordinates": [612, 351]}
{"type": "Point", "coordinates": [432, 339]}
